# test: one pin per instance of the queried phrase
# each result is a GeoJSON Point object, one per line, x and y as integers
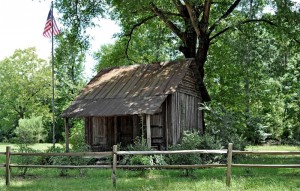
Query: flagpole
{"type": "Point", "coordinates": [53, 109]}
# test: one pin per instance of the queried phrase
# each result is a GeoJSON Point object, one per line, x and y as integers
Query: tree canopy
{"type": "Point", "coordinates": [247, 48]}
{"type": "Point", "coordinates": [192, 25]}
{"type": "Point", "coordinates": [25, 89]}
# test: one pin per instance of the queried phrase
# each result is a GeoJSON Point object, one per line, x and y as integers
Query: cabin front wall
{"type": "Point", "coordinates": [101, 133]}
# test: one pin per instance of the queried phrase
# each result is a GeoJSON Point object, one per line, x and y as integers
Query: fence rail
{"type": "Point", "coordinates": [229, 152]}
{"type": "Point", "coordinates": [171, 152]}
{"type": "Point", "coordinates": [60, 166]}
{"type": "Point", "coordinates": [83, 154]}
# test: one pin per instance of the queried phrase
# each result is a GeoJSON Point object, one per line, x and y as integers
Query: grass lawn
{"type": "Point", "coordinates": [273, 148]}
{"type": "Point", "coordinates": [39, 146]}
{"type": "Point", "coordinates": [167, 180]}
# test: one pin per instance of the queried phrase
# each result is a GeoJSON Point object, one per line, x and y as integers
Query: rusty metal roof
{"type": "Point", "coordinates": [128, 90]}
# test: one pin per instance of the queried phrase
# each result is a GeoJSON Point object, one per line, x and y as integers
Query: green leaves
{"type": "Point", "coordinates": [251, 65]}
{"type": "Point", "coordinates": [25, 88]}
{"type": "Point", "coordinates": [30, 131]}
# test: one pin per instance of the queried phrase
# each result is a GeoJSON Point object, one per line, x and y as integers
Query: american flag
{"type": "Point", "coordinates": [48, 26]}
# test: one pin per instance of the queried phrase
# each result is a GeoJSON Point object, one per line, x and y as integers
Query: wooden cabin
{"type": "Point", "coordinates": [158, 101]}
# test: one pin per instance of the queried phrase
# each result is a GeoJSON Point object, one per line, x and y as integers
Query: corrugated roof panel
{"type": "Point", "coordinates": [93, 85]}
{"type": "Point", "coordinates": [134, 80]}
{"type": "Point", "coordinates": [125, 79]}
{"type": "Point", "coordinates": [144, 78]}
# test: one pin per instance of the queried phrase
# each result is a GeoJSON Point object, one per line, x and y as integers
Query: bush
{"type": "Point", "coordinates": [77, 137]}
{"type": "Point", "coordinates": [66, 160]}
{"type": "Point", "coordinates": [26, 160]}
{"type": "Point", "coordinates": [223, 125]}
{"type": "Point", "coordinates": [194, 141]}
{"type": "Point", "coordinates": [141, 145]}
{"type": "Point", "coordinates": [190, 141]}
{"type": "Point", "coordinates": [209, 142]}
{"type": "Point", "coordinates": [30, 131]}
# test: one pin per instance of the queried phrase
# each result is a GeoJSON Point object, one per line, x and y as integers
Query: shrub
{"type": "Point", "coordinates": [209, 142]}
{"type": "Point", "coordinates": [66, 160]}
{"type": "Point", "coordinates": [26, 160]}
{"type": "Point", "coordinates": [223, 125]}
{"type": "Point", "coordinates": [141, 145]}
{"type": "Point", "coordinates": [190, 141]}
{"type": "Point", "coordinates": [77, 139]}
{"type": "Point", "coordinates": [30, 131]}
{"type": "Point", "coordinates": [194, 141]}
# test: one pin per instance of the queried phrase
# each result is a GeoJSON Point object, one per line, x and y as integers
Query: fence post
{"type": "Point", "coordinates": [229, 162]}
{"type": "Point", "coordinates": [7, 168]}
{"type": "Point", "coordinates": [114, 166]}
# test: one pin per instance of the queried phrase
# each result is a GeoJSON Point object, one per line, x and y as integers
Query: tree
{"type": "Point", "coordinates": [69, 59]}
{"type": "Point", "coordinates": [196, 24]}
{"type": "Point", "coordinates": [144, 48]}
{"type": "Point", "coordinates": [265, 58]}
{"type": "Point", "coordinates": [195, 28]}
{"type": "Point", "coordinates": [25, 89]}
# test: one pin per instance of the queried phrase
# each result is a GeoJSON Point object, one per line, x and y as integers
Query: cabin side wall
{"type": "Point", "coordinates": [182, 110]}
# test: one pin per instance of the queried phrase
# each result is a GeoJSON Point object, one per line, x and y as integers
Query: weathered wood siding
{"type": "Point", "coordinates": [88, 130]}
{"type": "Point", "coordinates": [182, 109]}
{"type": "Point", "coordinates": [157, 130]}
{"type": "Point", "coordinates": [125, 130]}
{"type": "Point", "coordinates": [101, 133]}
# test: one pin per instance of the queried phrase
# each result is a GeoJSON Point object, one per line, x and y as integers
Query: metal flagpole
{"type": "Point", "coordinates": [53, 110]}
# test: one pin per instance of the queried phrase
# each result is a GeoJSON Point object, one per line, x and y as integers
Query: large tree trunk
{"type": "Point", "coordinates": [190, 50]}
{"type": "Point", "coordinates": [196, 32]}
{"type": "Point", "coordinates": [200, 55]}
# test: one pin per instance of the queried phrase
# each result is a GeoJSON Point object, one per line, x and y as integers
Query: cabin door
{"type": "Point", "coordinates": [157, 131]}
{"type": "Point", "coordinates": [125, 130]}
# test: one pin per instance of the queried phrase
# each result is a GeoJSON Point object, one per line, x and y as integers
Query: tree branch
{"type": "Point", "coordinates": [173, 14]}
{"type": "Point", "coordinates": [169, 24]}
{"type": "Point", "coordinates": [205, 17]}
{"type": "Point", "coordinates": [180, 7]}
{"type": "Point", "coordinates": [193, 16]}
{"type": "Point", "coordinates": [144, 20]}
{"type": "Point", "coordinates": [241, 23]}
{"type": "Point", "coordinates": [225, 15]}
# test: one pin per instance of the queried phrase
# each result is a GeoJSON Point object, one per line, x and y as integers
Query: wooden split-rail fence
{"type": "Point", "coordinates": [229, 151]}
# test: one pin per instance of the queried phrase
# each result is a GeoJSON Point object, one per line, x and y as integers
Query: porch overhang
{"type": "Point", "coordinates": [115, 106]}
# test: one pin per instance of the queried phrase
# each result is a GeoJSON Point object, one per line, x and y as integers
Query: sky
{"type": "Point", "coordinates": [22, 23]}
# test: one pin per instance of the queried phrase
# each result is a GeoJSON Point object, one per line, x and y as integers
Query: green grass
{"type": "Point", "coordinates": [273, 148]}
{"type": "Point", "coordinates": [251, 179]}
{"type": "Point", "coordinates": [167, 180]}
{"type": "Point", "coordinates": [39, 146]}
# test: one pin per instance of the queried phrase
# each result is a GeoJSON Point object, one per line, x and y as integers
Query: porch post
{"type": "Point", "coordinates": [148, 130]}
{"type": "Point", "coordinates": [67, 134]}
